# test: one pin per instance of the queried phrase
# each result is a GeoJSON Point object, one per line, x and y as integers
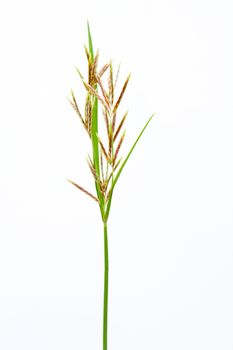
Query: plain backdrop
{"type": "Point", "coordinates": [171, 226]}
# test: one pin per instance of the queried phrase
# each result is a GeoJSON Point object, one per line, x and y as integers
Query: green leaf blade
{"type": "Point", "coordinates": [90, 44]}
{"type": "Point", "coordinates": [95, 152]}
{"type": "Point", "coordinates": [122, 167]}
{"type": "Point", "coordinates": [94, 131]}
{"type": "Point", "coordinates": [130, 152]}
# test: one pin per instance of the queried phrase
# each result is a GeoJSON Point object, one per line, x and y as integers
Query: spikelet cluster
{"type": "Point", "coordinates": [109, 151]}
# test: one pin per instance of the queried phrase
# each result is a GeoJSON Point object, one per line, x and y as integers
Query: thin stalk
{"type": "Point", "coordinates": [105, 309]}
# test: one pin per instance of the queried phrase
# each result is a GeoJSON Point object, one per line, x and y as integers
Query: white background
{"type": "Point", "coordinates": [171, 227]}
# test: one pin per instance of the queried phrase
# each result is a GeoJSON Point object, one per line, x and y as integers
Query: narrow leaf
{"type": "Point", "coordinates": [122, 167]}
{"type": "Point", "coordinates": [91, 51]}
{"type": "Point", "coordinates": [130, 152]}
{"type": "Point", "coordinates": [94, 131]}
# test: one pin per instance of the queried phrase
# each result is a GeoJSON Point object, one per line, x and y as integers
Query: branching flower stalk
{"type": "Point", "coordinates": [105, 164]}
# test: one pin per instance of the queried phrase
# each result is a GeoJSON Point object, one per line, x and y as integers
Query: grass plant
{"type": "Point", "coordinates": [104, 163]}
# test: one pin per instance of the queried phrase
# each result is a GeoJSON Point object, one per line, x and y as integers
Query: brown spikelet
{"type": "Point", "coordinates": [117, 76]}
{"type": "Point", "coordinates": [118, 147]}
{"type": "Point", "coordinates": [103, 69]}
{"type": "Point", "coordinates": [83, 190]}
{"type": "Point", "coordinates": [89, 65]}
{"type": "Point", "coordinates": [109, 178]}
{"type": "Point", "coordinates": [108, 194]}
{"type": "Point", "coordinates": [87, 54]}
{"type": "Point", "coordinates": [110, 143]}
{"type": "Point", "coordinates": [79, 73]}
{"type": "Point", "coordinates": [103, 149]}
{"type": "Point", "coordinates": [95, 62]}
{"type": "Point", "coordinates": [92, 91]}
{"type": "Point", "coordinates": [90, 74]}
{"type": "Point", "coordinates": [104, 93]}
{"type": "Point", "coordinates": [75, 106]}
{"type": "Point", "coordinates": [101, 164]}
{"type": "Point", "coordinates": [113, 122]}
{"type": "Point", "coordinates": [90, 160]}
{"type": "Point", "coordinates": [88, 114]}
{"type": "Point", "coordinates": [120, 126]}
{"type": "Point", "coordinates": [105, 114]}
{"type": "Point", "coordinates": [93, 171]}
{"type": "Point", "coordinates": [114, 168]}
{"type": "Point", "coordinates": [110, 84]}
{"type": "Point", "coordinates": [93, 70]}
{"type": "Point", "coordinates": [117, 163]}
{"type": "Point", "coordinates": [121, 95]}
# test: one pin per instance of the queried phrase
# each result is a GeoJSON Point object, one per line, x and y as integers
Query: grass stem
{"type": "Point", "coordinates": [105, 309]}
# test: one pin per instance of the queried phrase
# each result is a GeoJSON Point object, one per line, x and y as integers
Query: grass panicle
{"type": "Point", "coordinates": [105, 164]}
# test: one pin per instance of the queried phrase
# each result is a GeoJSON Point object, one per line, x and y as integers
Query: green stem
{"type": "Point", "coordinates": [105, 309]}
